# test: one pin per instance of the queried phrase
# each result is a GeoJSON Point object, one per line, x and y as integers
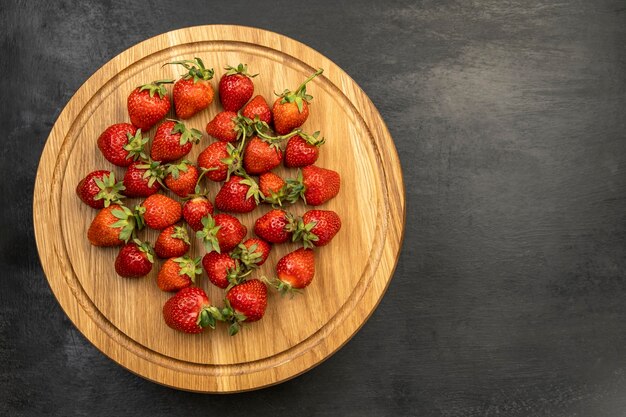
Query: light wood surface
{"type": "Point", "coordinates": [122, 317]}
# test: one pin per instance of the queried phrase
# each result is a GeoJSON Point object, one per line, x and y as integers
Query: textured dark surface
{"type": "Point", "coordinates": [509, 296]}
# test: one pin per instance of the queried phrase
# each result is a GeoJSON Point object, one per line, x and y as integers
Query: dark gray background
{"type": "Point", "coordinates": [509, 296]}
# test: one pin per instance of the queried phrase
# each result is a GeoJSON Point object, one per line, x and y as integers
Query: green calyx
{"type": "Point", "coordinates": [109, 189]}
{"type": "Point", "coordinates": [195, 68]}
{"type": "Point", "coordinates": [236, 275]}
{"type": "Point", "coordinates": [264, 132]}
{"type": "Point", "coordinates": [176, 169]}
{"type": "Point", "coordinates": [156, 87]}
{"type": "Point", "coordinates": [282, 287]}
{"type": "Point", "coordinates": [129, 221]}
{"type": "Point", "coordinates": [302, 232]}
{"type": "Point", "coordinates": [209, 316]}
{"type": "Point", "coordinates": [136, 146]}
{"type": "Point", "coordinates": [154, 171]}
{"type": "Point", "coordinates": [247, 256]}
{"type": "Point", "coordinates": [208, 234]}
{"type": "Point", "coordinates": [295, 189]}
{"type": "Point", "coordinates": [192, 135]}
{"type": "Point", "coordinates": [233, 161]}
{"type": "Point", "coordinates": [189, 267]}
{"type": "Point", "coordinates": [313, 139]}
{"type": "Point", "coordinates": [299, 96]}
{"type": "Point", "coordinates": [229, 315]}
{"type": "Point", "coordinates": [146, 248]}
{"type": "Point", "coordinates": [253, 191]}
{"type": "Point", "coordinates": [181, 233]}
{"type": "Point", "coordinates": [240, 69]}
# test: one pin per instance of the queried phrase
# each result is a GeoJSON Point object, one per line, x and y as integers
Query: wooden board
{"type": "Point", "coordinates": [122, 317]}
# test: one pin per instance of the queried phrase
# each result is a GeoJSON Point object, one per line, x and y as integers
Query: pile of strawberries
{"type": "Point", "coordinates": [252, 139]}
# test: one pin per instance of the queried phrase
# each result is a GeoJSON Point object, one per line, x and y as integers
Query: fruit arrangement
{"type": "Point", "coordinates": [249, 140]}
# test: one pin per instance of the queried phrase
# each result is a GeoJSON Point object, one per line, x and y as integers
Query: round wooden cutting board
{"type": "Point", "coordinates": [122, 317]}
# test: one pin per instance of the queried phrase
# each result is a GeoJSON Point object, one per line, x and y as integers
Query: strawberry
{"type": "Point", "coordinates": [314, 185]}
{"type": "Point", "coordinates": [141, 179]}
{"type": "Point", "coordinates": [303, 150]}
{"type": "Point", "coordinates": [178, 273]}
{"type": "Point", "coordinates": [295, 270]}
{"type": "Point", "coordinates": [221, 233]}
{"type": "Point", "coordinates": [291, 109]}
{"type": "Point", "coordinates": [172, 141]}
{"type": "Point", "coordinates": [173, 242]}
{"type": "Point", "coordinates": [244, 302]}
{"type": "Point", "coordinates": [216, 158]}
{"type": "Point", "coordinates": [121, 144]}
{"type": "Point", "coordinates": [99, 189]}
{"type": "Point", "coordinates": [160, 211]}
{"type": "Point", "coordinates": [258, 107]}
{"type": "Point", "coordinates": [272, 188]}
{"type": "Point", "coordinates": [134, 260]}
{"type": "Point", "coordinates": [273, 226]}
{"type": "Point", "coordinates": [261, 156]}
{"type": "Point", "coordinates": [316, 228]}
{"type": "Point", "coordinates": [148, 104]}
{"type": "Point", "coordinates": [193, 92]}
{"type": "Point", "coordinates": [224, 127]}
{"type": "Point", "coordinates": [252, 253]}
{"type": "Point", "coordinates": [195, 209]}
{"type": "Point", "coordinates": [113, 226]}
{"type": "Point", "coordinates": [189, 311]}
{"type": "Point", "coordinates": [182, 178]}
{"type": "Point", "coordinates": [238, 195]}
{"type": "Point", "coordinates": [236, 87]}
{"type": "Point", "coordinates": [221, 269]}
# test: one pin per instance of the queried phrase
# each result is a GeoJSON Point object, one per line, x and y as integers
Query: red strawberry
{"type": "Point", "coordinates": [258, 107]}
{"type": "Point", "coordinates": [160, 211]}
{"type": "Point", "coordinates": [221, 269]}
{"type": "Point", "coordinates": [273, 226]}
{"type": "Point", "coordinates": [172, 141]}
{"type": "Point", "coordinates": [261, 156]}
{"type": "Point", "coordinates": [224, 127]}
{"type": "Point", "coordinates": [193, 92]}
{"type": "Point", "coordinates": [221, 233]}
{"type": "Point", "coordinates": [134, 260]}
{"type": "Point", "coordinates": [295, 270]}
{"type": "Point", "coordinates": [189, 311]}
{"type": "Point", "coordinates": [99, 189]}
{"type": "Point", "coordinates": [182, 178]}
{"type": "Point", "coordinates": [236, 87]}
{"type": "Point", "coordinates": [213, 158]}
{"type": "Point", "coordinates": [314, 185]}
{"type": "Point", "coordinates": [238, 195]}
{"type": "Point", "coordinates": [317, 228]}
{"type": "Point", "coordinates": [291, 109]}
{"type": "Point", "coordinates": [112, 226]}
{"type": "Point", "coordinates": [141, 179]}
{"type": "Point", "coordinates": [172, 242]}
{"type": "Point", "coordinates": [252, 253]}
{"type": "Point", "coordinates": [121, 144]}
{"type": "Point", "coordinates": [245, 302]}
{"type": "Point", "coordinates": [303, 150]}
{"type": "Point", "coordinates": [195, 209]}
{"type": "Point", "coordinates": [178, 273]}
{"type": "Point", "coordinates": [148, 104]}
{"type": "Point", "coordinates": [272, 188]}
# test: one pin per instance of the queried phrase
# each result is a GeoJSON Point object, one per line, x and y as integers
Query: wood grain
{"type": "Point", "coordinates": [123, 317]}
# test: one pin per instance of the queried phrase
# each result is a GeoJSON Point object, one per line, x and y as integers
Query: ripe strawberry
{"type": "Point", "coordinates": [221, 233]}
{"type": "Point", "coordinates": [261, 156]}
{"type": "Point", "coordinates": [195, 209]}
{"type": "Point", "coordinates": [238, 195]}
{"type": "Point", "coordinates": [221, 269]}
{"type": "Point", "coordinates": [295, 270]}
{"type": "Point", "coordinates": [314, 185]}
{"type": "Point", "coordinates": [160, 211]}
{"type": "Point", "coordinates": [245, 302]}
{"type": "Point", "coordinates": [121, 144]}
{"type": "Point", "coordinates": [172, 141]}
{"type": "Point", "coordinates": [172, 242]}
{"type": "Point", "coordinates": [273, 226]}
{"type": "Point", "coordinates": [213, 157]}
{"type": "Point", "coordinates": [303, 150]}
{"type": "Point", "coordinates": [112, 226]}
{"type": "Point", "coordinates": [272, 188]}
{"type": "Point", "coordinates": [178, 273]}
{"type": "Point", "coordinates": [189, 311]}
{"type": "Point", "coordinates": [193, 92]}
{"type": "Point", "coordinates": [134, 260]}
{"type": "Point", "coordinates": [182, 178]}
{"type": "Point", "coordinates": [141, 179]}
{"type": "Point", "coordinates": [224, 127]}
{"type": "Point", "coordinates": [291, 109]}
{"type": "Point", "coordinates": [252, 253]}
{"type": "Point", "coordinates": [258, 107]}
{"type": "Point", "coordinates": [316, 228]}
{"type": "Point", "coordinates": [99, 189]}
{"type": "Point", "coordinates": [148, 104]}
{"type": "Point", "coordinates": [236, 87]}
